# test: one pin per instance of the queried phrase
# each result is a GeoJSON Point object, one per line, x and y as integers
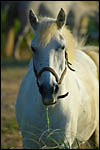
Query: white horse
{"type": "Point", "coordinates": [69, 93]}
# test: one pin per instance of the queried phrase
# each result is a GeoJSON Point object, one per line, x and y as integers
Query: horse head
{"type": "Point", "coordinates": [49, 48]}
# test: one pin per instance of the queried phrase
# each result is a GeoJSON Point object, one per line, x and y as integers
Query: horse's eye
{"type": "Point", "coordinates": [33, 49]}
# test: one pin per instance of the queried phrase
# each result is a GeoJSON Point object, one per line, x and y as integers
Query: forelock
{"type": "Point", "coordinates": [46, 30]}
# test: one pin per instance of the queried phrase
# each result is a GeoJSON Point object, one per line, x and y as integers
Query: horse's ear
{"type": "Point", "coordinates": [60, 18]}
{"type": "Point", "coordinates": [33, 19]}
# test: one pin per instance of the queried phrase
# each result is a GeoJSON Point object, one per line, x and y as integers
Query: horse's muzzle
{"type": "Point", "coordinates": [48, 93]}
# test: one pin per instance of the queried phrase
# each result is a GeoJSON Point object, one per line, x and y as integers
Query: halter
{"type": "Point", "coordinates": [49, 69]}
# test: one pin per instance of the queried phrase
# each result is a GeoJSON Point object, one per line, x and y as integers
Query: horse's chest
{"type": "Point", "coordinates": [38, 117]}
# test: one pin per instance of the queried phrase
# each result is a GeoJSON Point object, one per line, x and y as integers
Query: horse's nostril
{"type": "Point", "coordinates": [56, 88]}
{"type": "Point", "coordinates": [41, 89]}
{"type": "Point", "coordinates": [46, 89]}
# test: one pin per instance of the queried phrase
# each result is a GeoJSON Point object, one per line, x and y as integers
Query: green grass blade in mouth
{"type": "Point", "coordinates": [47, 119]}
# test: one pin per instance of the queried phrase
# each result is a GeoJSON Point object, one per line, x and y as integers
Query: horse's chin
{"type": "Point", "coordinates": [48, 103]}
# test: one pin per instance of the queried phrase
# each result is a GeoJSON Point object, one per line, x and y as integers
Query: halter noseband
{"type": "Point", "coordinates": [52, 71]}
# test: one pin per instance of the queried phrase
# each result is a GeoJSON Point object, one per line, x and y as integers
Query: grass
{"type": "Point", "coordinates": [50, 138]}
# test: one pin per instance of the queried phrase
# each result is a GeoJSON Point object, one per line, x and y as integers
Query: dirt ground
{"type": "Point", "coordinates": [11, 77]}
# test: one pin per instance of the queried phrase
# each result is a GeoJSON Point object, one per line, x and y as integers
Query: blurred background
{"type": "Point", "coordinates": [82, 18]}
